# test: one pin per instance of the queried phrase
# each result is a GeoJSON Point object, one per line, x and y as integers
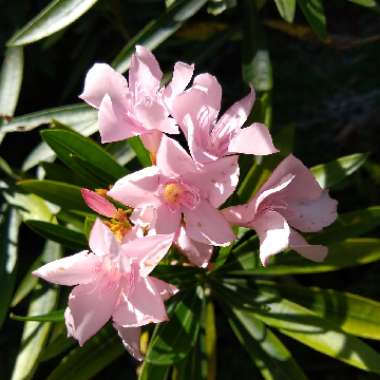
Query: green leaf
{"type": "Point", "coordinates": [345, 254]}
{"type": "Point", "coordinates": [35, 334]}
{"type": "Point", "coordinates": [330, 174]}
{"type": "Point", "coordinates": [153, 372]}
{"type": "Point", "coordinates": [121, 151]}
{"type": "Point", "coordinates": [54, 316]}
{"type": "Point", "coordinates": [315, 16]}
{"type": "Point", "coordinates": [257, 68]}
{"type": "Point", "coordinates": [349, 225]}
{"type": "Point", "coordinates": [140, 151]}
{"type": "Point", "coordinates": [172, 341]}
{"type": "Point", "coordinates": [77, 116]}
{"type": "Point", "coordinates": [306, 327]}
{"type": "Point", "coordinates": [83, 363]}
{"type": "Point", "coordinates": [302, 325]}
{"type": "Point", "coordinates": [59, 234]}
{"type": "Point", "coordinates": [57, 345]}
{"type": "Point", "coordinates": [268, 353]}
{"type": "Point", "coordinates": [84, 156]}
{"type": "Point", "coordinates": [56, 16]}
{"type": "Point", "coordinates": [29, 282]}
{"type": "Point", "coordinates": [354, 314]}
{"type": "Point", "coordinates": [9, 231]}
{"type": "Point", "coordinates": [62, 194]}
{"type": "Point", "coordinates": [287, 9]}
{"type": "Point", "coordinates": [365, 3]}
{"type": "Point", "coordinates": [157, 31]}
{"type": "Point", "coordinates": [10, 80]}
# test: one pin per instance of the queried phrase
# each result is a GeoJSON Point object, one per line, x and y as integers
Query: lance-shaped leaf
{"type": "Point", "coordinates": [10, 80]}
{"type": "Point", "coordinates": [53, 316]}
{"type": "Point", "coordinates": [330, 174]}
{"type": "Point", "coordinates": [157, 31]}
{"type": "Point", "coordinates": [350, 224]}
{"type": "Point", "coordinates": [315, 16]}
{"type": "Point", "coordinates": [35, 334]}
{"type": "Point", "coordinates": [366, 3]}
{"type": "Point", "coordinates": [84, 156]}
{"type": "Point", "coordinates": [9, 231]}
{"type": "Point", "coordinates": [60, 234]}
{"type": "Point", "coordinates": [83, 363]}
{"type": "Point", "coordinates": [172, 341]}
{"type": "Point", "coordinates": [287, 9]}
{"type": "Point", "coordinates": [62, 194]}
{"type": "Point", "coordinates": [56, 16]}
{"type": "Point", "coordinates": [354, 314]}
{"type": "Point", "coordinates": [268, 353]}
{"type": "Point", "coordinates": [140, 151]}
{"type": "Point", "coordinates": [302, 325]}
{"type": "Point", "coordinates": [153, 372]}
{"type": "Point", "coordinates": [345, 254]}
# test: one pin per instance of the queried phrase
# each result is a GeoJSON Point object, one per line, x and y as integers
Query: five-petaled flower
{"type": "Point", "coordinates": [112, 282]}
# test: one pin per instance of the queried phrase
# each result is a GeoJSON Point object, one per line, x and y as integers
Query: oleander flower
{"type": "Point", "coordinates": [291, 200]}
{"type": "Point", "coordinates": [182, 193]}
{"type": "Point", "coordinates": [112, 282]}
{"type": "Point", "coordinates": [196, 111]}
{"type": "Point", "coordinates": [140, 107]}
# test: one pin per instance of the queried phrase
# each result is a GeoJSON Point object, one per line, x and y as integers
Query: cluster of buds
{"type": "Point", "coordinates": [178, 200]}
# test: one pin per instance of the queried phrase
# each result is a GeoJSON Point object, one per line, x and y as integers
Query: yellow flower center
{"type": "Point", "coordinates": [172, 192]}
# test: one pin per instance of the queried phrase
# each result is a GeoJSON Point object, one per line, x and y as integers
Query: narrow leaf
{"type": "Point", "coordinates": [54, 316]}
{"type": "Point", "coordinates": [287, 9]}
{"type": "Point", "coordinates": [140, 151]}
{"type": "Point", "coordinates": [56, 16]}
{"type": "Point", "coordinates": [157, 31]}
{"type": "Point", "coordinates": [315, 15]}
{"type": "Point", "coordinates": [10, 80]}
{"type": "Point", "coordinates": [330, 174]}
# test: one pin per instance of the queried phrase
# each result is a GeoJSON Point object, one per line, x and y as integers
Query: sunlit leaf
{"type": "Point", "coordinates": [10, 80]}
{"type": "Point", "coordinates": [56, 16]}
{"type": "Point", "coordinates": [330, 174]}
{"type": "Point", "coordinates": [315, 15]}
{"type": "Point", "coordinates": [9, 231]}
{"type": "Point", "coordinates": [82, 363]}
{"type": "Point", "coordinates": [157, 31]}
{"type": "Point", "coordinates": [172, 341]}
{"type": "Point", "coordinates": [286, 8]}
{"type": "Point", "coordinates": [68, 238]}
{"type": "Point", "coordinates": [54, 316]}
{"type": "Point", "coordinates": [140, 151]}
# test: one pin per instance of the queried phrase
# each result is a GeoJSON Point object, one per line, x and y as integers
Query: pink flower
{"type": "Point", "coordinates": [290, 200]}
{"type": "Point", "coordinates": [140, 107]}
{"type": "Point", "coordinates": [99, 204]}
{"type": "Point", "coordinates": [112, 281]}
{"type": "Point", "coordinates": [196, 111]}
{"type": "Point", "coordinates": [177, 188]}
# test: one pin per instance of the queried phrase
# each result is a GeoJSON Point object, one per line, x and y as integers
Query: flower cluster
{"type": "Point", "coordinates": [177, 200]}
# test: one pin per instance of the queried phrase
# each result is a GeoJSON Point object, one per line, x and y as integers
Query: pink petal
{"type": "Point", "coordinates": [98, 203]}
{"type": "Point", "coordinates": [311, 215]}
{"type": "Point", "coordinates": [151, 141]}
{"type": "Point", "coordinates": [165, 289]}
{"type": "Point", "coordinates": [102, 241]}
{"type": "Point", "coordinates": [100, 80]}
{"type": "Point", "coordinates": [130, 336]}
{"type": "Point", "coordinates": [70, 270]}
{"type": "Point", "coordinates": [197, 253]}
{"type": "Point", "coordinates": [154, 116]}
{"type": "Point", "coordinates": [239, 215]}
{"type": "Point", "coordinates": [167, 221]}
{"type": "Point", "coordinates": [90, 307]}
{"type": "Point", "coordinates": [209, 84]}
{"type": "Point", "coordinates": [181, 77]}
{"type": "Point", "coordinates": [140, 305]}
{"type": "Point", "coordinates": [315, 253]}
{"type": "Point", "coordinates": [273, 232]}
{"type": "Point", "coordinates": [254, 139]}
{"type": "Point", "coordinates": [144, 73]}
{"type": "Point", "coordinates": [206, 224]}
{"type": "Point", "coordinates": [234, 118]}
{"type": "Point", "coordinates": [303, 186]}
{"type": "Point", "coordinates": [147, 251]}
{"type": "Point", "coordinates": [172, 159]}
{"type": "Point", "coordinates": [114, 123]}
{"type": "Point", "coordinates": [217, 180]}
{"type": "Point", "coordinates": [144, 217]}
{"type": "Point", "coordinates": [138, 189]}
